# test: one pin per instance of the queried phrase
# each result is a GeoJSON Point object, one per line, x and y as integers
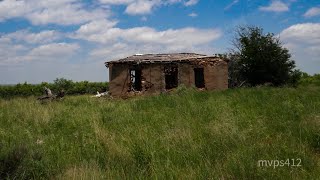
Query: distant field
{"type": "Point", "coordinates": [184, 135]}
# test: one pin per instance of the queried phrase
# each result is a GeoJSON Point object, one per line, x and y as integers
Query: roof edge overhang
{"type": "Point", "coordinates": [182, 60]}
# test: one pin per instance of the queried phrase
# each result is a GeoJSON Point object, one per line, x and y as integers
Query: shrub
{"type": "Point", "coordinates": [70, 88]}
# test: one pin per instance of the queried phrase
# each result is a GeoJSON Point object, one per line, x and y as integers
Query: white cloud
{"type": "Point", "coordinates": [12, 53]}
{"type": "Point", "coordinates": [45, 63]}
{"type": "Point", "coordinates": [314, 50]}
{"type": "Point", "coordinates": [66, 15]}
{"type": "Point", "coordinates": [41, 56]}
{"type": "Point", "coordinates": [124, 49]}
{"type": "Point", "coordinates": [185, 36]}
{"type": "Point", "coordinates": [137, 7]}
{"type": "Point", "coordinates": [19, 46]}
{"type": "Point", "coordinates": [115, 42]}
{"type": "Point", "coordinates": [193, 14]}
{"type": "Point", "coordinates": [98, 32]}
{"type": "Point", "coordinates": [275, 6]}
{"type": "Point", "coordinates": [54, 51]}
{"type": "Point", "coordinates": [116, 1]}
{"type": "Point", "coordinates": [112, 42]}
{"type": "Point", "coordinates": [191, 2]}
{"type": "Point", "coordinates": [10, 9]}
{"type": "Point", "coordinates": [234, 2]}
{"type": "Point", "coordinates": [113, 51]}
{"type": "Point", "coordinates": [140, 7]}
{"type": "Point", "coordinates": [34, 38]}
{"type": "Point", "coordinates": [315, 11]}
{"type": "Point", "coordinates": [307, 33]}
{"type": "Point", "coordinates": [303, 41]}
{"type": "Point", "coordinates": [62, 12]}
{"type": "Point", "coordinates": [95, 27]}
{"type": "Point", "coordinates": [9, 51]}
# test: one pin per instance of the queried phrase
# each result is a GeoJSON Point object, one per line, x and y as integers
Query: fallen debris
{"type": "Point", "coordinates": [50, 96]}
{"type": "Point", "coordinates": [100, 94]}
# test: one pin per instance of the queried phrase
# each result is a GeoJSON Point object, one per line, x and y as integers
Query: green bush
{"type": "Point", "coordinates": [310, 80]}
{"type": "Point", "coordinates": [70, 88]}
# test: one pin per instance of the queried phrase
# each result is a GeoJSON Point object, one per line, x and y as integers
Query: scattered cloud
{"type": "Point", "coordinates": [113, 51]}
{"type": "Point", "coordinates": [147, 40]}
{"type": "Point", "coordinates": [54, 51]}
{"type": "Point", "coordinates": [303, 41]}
{"type": "Point", "coordinates": [95, 27]}
{"type": "Point", "coordinates": [116, 1]}
{"type": "Point", "coordinates": [302, 33]}
{"type": "Point", "coordinates": [191, 2]}
{"type": "Point", "coordinates": [101, 33]}
{"type": "Point", "coordinates": [62, 12]}
{"type": "Point", "coordinates": [193, 14]}
{"type": "Point", "coordinates": [12, 53]}
{"type": "Point", "coordinates": [315, 11]}
{"type": "Point", "coordinates": [113, 42]}
{"type": "Point", "coordinates": [234, 2]}
{"type": "Point", "coordinates": [26, 36]}
{"type": "Point", "coordinates": [9, 51]}
{"type": "Point", "coordinates": [275, 6]}
{"type": "Point", "coordinates": [123, 49]}
{"type": "Point", "coordinates": [141, 7]}
{"type": "Point", "coordinates": [66, 15]}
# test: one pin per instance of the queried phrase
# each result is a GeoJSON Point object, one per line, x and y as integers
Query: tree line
{"type": "Point", "coordinates": [69, 87]}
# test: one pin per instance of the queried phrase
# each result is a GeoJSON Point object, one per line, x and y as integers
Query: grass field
{"type": "Point", "coordinates": [184, 135]}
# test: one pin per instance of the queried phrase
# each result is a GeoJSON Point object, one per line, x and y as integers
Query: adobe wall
{"type": "Point", "coordinates": [185, 75]}
{"type": "Point", "coordinates": [154, 78]}
{"type": "Point", "coordinates": [216, 76]}
{"type": "Point", "coordinates": [119, 79]}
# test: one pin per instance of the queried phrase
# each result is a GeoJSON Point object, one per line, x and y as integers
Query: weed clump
{"type": "Point", "coordinates": [11, 161]}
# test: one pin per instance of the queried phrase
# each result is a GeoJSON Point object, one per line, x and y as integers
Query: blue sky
{"type": "Point", "coordinates": [47, 39]}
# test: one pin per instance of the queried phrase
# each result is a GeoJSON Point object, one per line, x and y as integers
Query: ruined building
{"type": "Point", "coordinates": [155, 73]}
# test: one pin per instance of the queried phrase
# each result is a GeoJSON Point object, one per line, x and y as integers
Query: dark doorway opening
{"type": "Point", "coordinates": [199, 78]}
{"type": "Point", "coordinates": [135, 79]}
{"type": "Point", "coordinates": [171, 77]}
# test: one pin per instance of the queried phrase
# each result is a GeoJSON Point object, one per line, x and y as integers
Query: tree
{"type": "Point", "coordinates": [63, 84]}
{"type": "Point", "coordinates": [235, 77]}
{"type": "Point", "coordinates": [261, 58]}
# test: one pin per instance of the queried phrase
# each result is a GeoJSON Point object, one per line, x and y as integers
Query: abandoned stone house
{"type": "Point", "coordinates": [155, 73]}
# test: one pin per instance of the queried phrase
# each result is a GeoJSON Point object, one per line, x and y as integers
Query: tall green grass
{"type": "Point", "coordinates": [184, 135]}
